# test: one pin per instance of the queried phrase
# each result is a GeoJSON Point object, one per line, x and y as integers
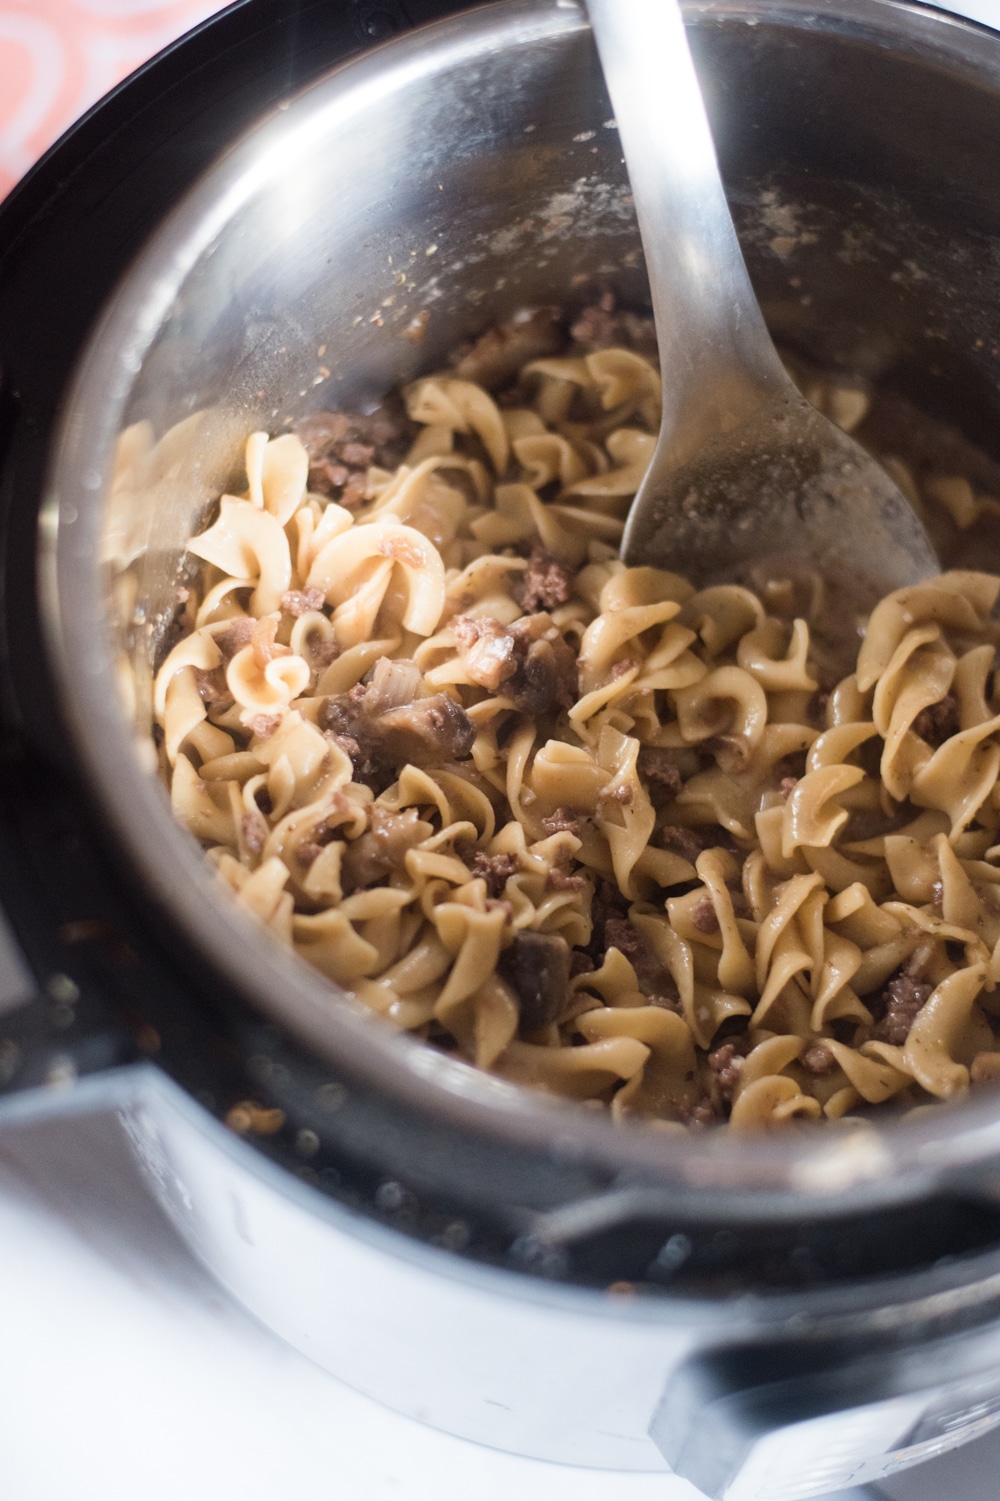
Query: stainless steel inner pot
{"type": "Point", "coordinates": [468, 170]}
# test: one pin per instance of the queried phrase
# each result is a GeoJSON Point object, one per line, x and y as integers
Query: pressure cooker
{"type": "Point", "coordinates": [769, 1316]}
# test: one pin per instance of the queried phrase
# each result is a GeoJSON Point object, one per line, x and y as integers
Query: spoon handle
{"type": "Point", "coordinates": [719, 364]}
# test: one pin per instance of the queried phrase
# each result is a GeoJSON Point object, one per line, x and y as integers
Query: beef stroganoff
{"type": "Point", "coordinates": [589, 827]}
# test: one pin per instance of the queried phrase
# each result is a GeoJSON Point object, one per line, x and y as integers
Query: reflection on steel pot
{"type": "Point", "coordinates": [782, 1322]}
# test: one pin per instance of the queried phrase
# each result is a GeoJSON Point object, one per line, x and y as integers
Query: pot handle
{"type": "Point", "coordinates": [781, 1421]}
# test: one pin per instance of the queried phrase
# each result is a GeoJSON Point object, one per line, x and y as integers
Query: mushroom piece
{"type": "Point", "coordinates": [536, 967]}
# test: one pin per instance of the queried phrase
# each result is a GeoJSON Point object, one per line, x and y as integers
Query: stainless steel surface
{"type": "Point", "coordinates": [517, 1365]}
{"type": "Point", "coordinates": [477, 171]}
{"type": "Point", "coordinates": [467, 172]}
{"type": "Point", "coordinates": [95, 1282]}
{"type": "Point", "coordinates": [745, 470]}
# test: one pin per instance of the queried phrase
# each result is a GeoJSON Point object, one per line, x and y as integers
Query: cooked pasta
{"type": "Point", "coordinates": [585, 826]}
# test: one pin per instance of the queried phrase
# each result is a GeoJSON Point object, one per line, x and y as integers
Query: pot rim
{"type": "Point", "coordinates": [716, 1175]}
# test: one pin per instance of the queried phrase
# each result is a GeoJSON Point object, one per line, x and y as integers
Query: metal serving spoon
{"type": "Point", "coordinates": [745, 471]}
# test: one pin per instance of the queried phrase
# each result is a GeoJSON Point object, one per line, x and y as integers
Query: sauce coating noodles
{"type": "Point", "coordinates": [586, 826]}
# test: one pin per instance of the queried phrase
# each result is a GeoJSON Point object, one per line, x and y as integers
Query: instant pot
{"type": "Point", "coordinates": [243, 233]}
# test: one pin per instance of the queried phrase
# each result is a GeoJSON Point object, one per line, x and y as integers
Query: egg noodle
{"type": "Point", "coordinates": [585, 826]}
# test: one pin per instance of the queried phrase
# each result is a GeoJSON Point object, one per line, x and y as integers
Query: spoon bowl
{"type": "Point", "coordinates": [746, 476]}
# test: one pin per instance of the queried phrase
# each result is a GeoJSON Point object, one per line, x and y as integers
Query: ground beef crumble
{"type": "Point", "coordinates": [897, 1008]}
{"type": "Point", "coordinates": [254, 831]}
{"type": "Point", "coordinates": [234, 637]}
{"type": "Point", "coordinates": [939, 721]}
{"type": "Point", "coordinates": [561, 879]}
{"type": "Point", "coordinates": [697, 1114]}
{"type": "Point", "coordinates": [263, 725]}
{"type": "Point", "coordinates": [659, 770]}
{"type": "Point", "coordinates": [546, 582]}
{"type": "Point", "coordinates": [300, 601]}
{"type": "Point", "coordinates": [498, 356]}
{"type": "Point", "coordinates": [607, 905]}
{"type": "Point", "coordinates": [726, 1064]}
{"type": "Point", "coordinates": [655, 981]}
{"type": "Point", "coordinates": [561, 822]}
{"type": "Point", "coordinates": [602, 326]}
{"type": "Point", "coordinates": [343, 445]}
{"type": "Point", "coordinates": [688, 843]}
{"type": "Point", "coordinates": [493, 869]}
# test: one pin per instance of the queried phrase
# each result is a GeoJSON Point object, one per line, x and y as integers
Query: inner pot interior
{"type": "Point", "coordinates": [465, 173]}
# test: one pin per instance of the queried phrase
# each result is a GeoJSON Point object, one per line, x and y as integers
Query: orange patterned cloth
{"type": "Point", "coordinates": [57, 57]}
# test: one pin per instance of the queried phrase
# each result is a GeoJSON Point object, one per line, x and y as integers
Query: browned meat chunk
{"type": "Point", "coordinates": [541, 683]}
{"type": "Point", "coordinates": [819, 1060]}
{"type": "Point", "coordinates": [235, 636]}
{"type": "Point", "coordinates": [356, 455]}
{"type": "Point", "coordinates": [939, 721]}
{"type": "Point", "coordinates": [655, 981]}
{"type": "Point", "coordinates": [686, 842]}
{"type": "Point", "coordinates": [899, 1004]}
{"type": "Point", "coordinates": [580, 963]}
{"type": "Point", "coordinates": [561, 822]}
{"type": "Point", "coordinates": [498, 355]}
{"type": "Point", "coordinates": [561, 879]}
{"type": "Point", "coordinates": [301, 601]}
{"type": "Point", "coordinates": [703, 915]}
{"type": "Point", "coordinates": [263, 725]}
{"type": "Point", "coordinates": [382, 724]}
{"type": "Point", "coordinates": [342, 445]}
{"type": "Point", "coordinates": [321, 653]}
{"type": "Point", "coordinates": [536, 967]}
{"type": "Point", "coordinates": [254, 832]}
{"type": "Point", "coordinates": [697, 1114]}
{"type": "Point", "coordinates": [726, 1063]}
{"type": "Point", "coordinates": [545, 583]}
{"type": "Point", "coordinates": [493, 869]}
{"type": "Point", "coordinates": [659, 771]}
{"type": "Point", "coordinates": [788, 786]}
{"type": "Point", "coordinates": [602, 326]}
{"type": "Point", "coordinates": [608, 904]}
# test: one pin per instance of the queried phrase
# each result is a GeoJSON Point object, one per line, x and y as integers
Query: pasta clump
{"type": "Point", "coordinates": [586, 826]}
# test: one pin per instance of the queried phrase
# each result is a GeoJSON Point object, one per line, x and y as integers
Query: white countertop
{"type": "Point", "coordinates": [127, 1375]}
